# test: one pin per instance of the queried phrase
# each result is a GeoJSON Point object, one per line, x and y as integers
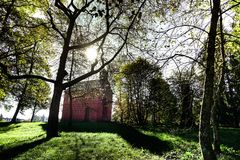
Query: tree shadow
{"type": "Point", "coordinates": [6, 126]}
{"type": "Point", "coordinates": [131, 135]}
{"type": "Point", "coordinates": [13, 152]}
{"type": "Point", "coordinates": [189, 135]}
{"type": "Point", "coordinates": [44, 126]}
{"type": "Point", "coordinates": [230, 137]}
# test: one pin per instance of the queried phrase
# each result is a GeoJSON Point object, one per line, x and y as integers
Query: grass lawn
{"type": "Point", "coordinates": [106, 141]}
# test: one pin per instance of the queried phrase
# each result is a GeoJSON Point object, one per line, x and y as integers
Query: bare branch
{"type": "Point", "coordinates": [231, 35]}
{"type": "Point", "coordinates": [53, 24]}
{"type": "Point", "coordinates": [72, 4]}
{"type": "Point", "coordinates": [238, 3]}
{"type": "Point", "coordinates": [89, 43]}
{"type": "Point", "coordinates": [68, 84]}
{"type": "Point", "coordinates": [61, 6]}
{"type": "Point", "coordinates": [84, 45]}
{"type": "Point", "coordinates": [181, 55]}
{"type": "Point", "coordinates": [184, 25]}
{"type": "Point", "coordinates": [79, 11]}
{"type": "Point", "coordinates": [4, 70]}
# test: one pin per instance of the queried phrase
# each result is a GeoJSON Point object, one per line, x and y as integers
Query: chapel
{"type": "Point", "coordinates": [91, 100]}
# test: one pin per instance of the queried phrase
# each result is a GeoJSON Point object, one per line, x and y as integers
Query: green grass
{"type": "Point", "coordinates": [12, 135]}
{"type": "Point", "coordinates": [106, 141]}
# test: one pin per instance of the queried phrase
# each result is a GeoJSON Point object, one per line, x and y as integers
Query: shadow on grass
{"type": "Point", "coordinates": [189, 135]}
{"type": "Point", "coordinates": [13, 152]}
{"type": "Point", "coordinates": [6, 126]}
{"type": "Point", "coordinates": [131, 135]}
{"type": "Point", "coordinates": [230, 137]}
{"type": "Point", "coordinates": [44, 126]}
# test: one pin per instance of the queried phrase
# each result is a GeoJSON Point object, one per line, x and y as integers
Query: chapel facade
{"type": "Point", "coordinates": [91, 101]}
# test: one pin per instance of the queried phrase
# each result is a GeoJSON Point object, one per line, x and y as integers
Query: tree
{"type": "Point", "coordinates": [183, 83]}
{"type": "Point", "coordinates": [230, 114]}
{"type": "Point", "coordinates": [21, 34]}
{"type": "Point", "coordinates": [98, 22]}
{"type": "Point", "coordinates": [72, 13]}
{"type": "Point", "coordinates": [163, 103]}
{"type": "Point", "coordinates": [4, 87]}
{"type": "Point", "coordinates": [22, 87]}
{"type": "Point", "coordinates": [205, 114]}
{"type": "Point", "coordinates": [20, 30]}
{"type": "Point", "coordinates": [219, 100]}
{"type": "Point", "coordinates": [134, 81]}
{"type": "Point", "coordinates": [38, 96]}
{"type": "Point", "coordinates": [143, 95]}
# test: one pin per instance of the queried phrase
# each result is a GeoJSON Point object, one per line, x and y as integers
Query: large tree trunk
{"type": "Point", "coordinates": [219, 102]}
{"type": "Point", "coordinates": [52, 129]}
{"type": "Point", "coordinates": [205, 114]}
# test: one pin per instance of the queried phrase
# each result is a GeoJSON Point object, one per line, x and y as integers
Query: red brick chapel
{"type": "Point", "coordinates": [92, 100]}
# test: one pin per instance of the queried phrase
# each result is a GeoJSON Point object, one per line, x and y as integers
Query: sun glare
{"type": "Point", "coordinates": [91, 53]}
